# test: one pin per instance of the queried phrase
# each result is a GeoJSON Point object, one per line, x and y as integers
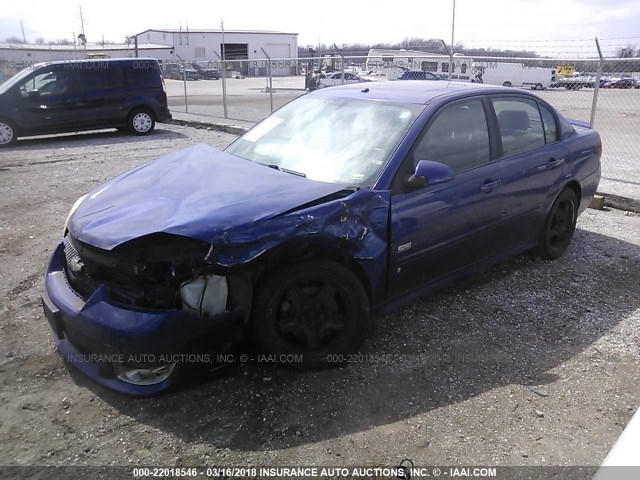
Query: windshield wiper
{"type": "Point", "coordinates": [286, 170]}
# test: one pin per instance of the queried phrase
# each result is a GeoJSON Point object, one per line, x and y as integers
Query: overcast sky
{"type": "Point", "coordinates": [533, 24]}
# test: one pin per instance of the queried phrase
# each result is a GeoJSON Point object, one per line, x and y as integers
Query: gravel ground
{"type": "Point", "coordinates": [530, 363]}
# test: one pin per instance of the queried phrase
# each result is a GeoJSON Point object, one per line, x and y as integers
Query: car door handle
{"type": "Point", "coordinates": [490, 185]}
{"type": "Point", "coordinates": [553, 163]}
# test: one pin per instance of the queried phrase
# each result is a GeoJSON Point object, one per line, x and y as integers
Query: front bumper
{"type": "Point", "coordinates": [92, 334]}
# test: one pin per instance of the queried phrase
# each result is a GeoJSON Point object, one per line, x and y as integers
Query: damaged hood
{"type": "Point", "coordinates": [198, 192]}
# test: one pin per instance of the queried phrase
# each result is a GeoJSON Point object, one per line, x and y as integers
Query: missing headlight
{"type": "Point", "coordinates": [205, 296]}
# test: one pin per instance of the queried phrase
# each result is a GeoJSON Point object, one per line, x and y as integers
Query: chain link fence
{"type": "Point", "coordinates": [605, 92]}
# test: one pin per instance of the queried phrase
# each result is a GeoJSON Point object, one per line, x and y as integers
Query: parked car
{"type": "Point", "coordinates": [206, 73]}
{"type": "Point", "coordinates": [71, 96]}
{"type": "Point", "coordinates": [621, 83]}
{"type": "Point", "coordinates": [419, 75]}
{"type": "Point", "coordinates": [335, 78]}
{"type": "Point", "coordinates": [180, 72]}
{"type": "Point", "coordinates": [344, 204]}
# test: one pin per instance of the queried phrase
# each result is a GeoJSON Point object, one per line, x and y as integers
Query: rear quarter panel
{"type": "Point", "coordinates": [583, 161]}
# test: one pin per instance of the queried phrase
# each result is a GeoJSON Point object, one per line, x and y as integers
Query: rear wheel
{"type": "Point", "coordinates": [8, 134]}
{"type": "Point", "coordinates": [141, 122]}
{"type": "Point", "coordinates": [559, 226]}
{"type": "Point", "coordinates": [311, 314]}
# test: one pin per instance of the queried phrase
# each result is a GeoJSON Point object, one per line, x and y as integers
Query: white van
{"type": "Point", "coordinates": [513, 75]}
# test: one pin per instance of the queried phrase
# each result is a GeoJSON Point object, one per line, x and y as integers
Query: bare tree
{"type": "Point", "coordinates": [14, 39]}
{"type": "Point", "coordinates": [40, 41]}
{"type": "Point", "coordinates": [627, 52]}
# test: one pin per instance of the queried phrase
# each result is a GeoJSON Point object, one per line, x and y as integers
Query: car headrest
{"type": "Point", "coordinates": [513, 120]}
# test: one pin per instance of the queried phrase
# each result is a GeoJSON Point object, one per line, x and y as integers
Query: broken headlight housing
{"type": "Point", "coordinates": [205, 295]}
{"type": "Point", "coordinates": [160, 271]}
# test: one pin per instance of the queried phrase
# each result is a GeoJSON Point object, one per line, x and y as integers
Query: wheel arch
{"type": "Point", "coordinates": [292, 252]}
{"type": "Point", "coordinates": [574, 185]}
{"type": "Point", "coordinates": [142, 106]}
{"type": "Point", "coordinates": [13, 123]}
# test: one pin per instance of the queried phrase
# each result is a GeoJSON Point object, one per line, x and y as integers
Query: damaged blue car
{"type": "Point", "coordinates": [341, 206]}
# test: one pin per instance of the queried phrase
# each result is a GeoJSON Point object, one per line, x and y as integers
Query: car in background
{"type": "Point", "coordinates": [206, 73]}
{"type": "Point", "coordinates": [335, 78]}
{"type": "Point", "coordinates": [180, 72]}
{"type": "Point", "coordinates": [621, 83]}
{"type": "Point", "coordinates": [77, 95]}
{"type": "Point", "coordinates": [419, 75]}
{"type": "Point", "coordinates": [344, 204]}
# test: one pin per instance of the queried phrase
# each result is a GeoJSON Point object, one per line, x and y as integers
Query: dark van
{"type": "Point", "coordinates": [70, 96]}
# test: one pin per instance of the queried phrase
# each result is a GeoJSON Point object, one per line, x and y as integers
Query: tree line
{"type": "Point", "coordinates": [436, 46]}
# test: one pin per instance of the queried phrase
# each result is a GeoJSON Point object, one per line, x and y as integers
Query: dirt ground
{"type": "Point", "coordinates": [530, 363]}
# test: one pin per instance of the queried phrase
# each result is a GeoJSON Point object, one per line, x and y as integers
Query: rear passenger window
{"type": "Point", "coordinates": [549, 121]}
{"type": "Point", "coordinates": [520, 124]}
{"type": "Point", "coordinates": [98, 77]}
{"type": "Point", "coordinates": [458, 137]}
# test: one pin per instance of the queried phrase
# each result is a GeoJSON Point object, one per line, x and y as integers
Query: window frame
{"type": "Point", "coordinates": [555, 121]}
{"type": "Point", "coordinates": [496, 125]}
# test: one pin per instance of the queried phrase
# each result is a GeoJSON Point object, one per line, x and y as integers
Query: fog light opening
{"type": "Point", "coordinates": [143, 376]}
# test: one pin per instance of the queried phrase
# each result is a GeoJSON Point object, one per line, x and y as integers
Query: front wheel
{"type": "Point", "coordinates": [559, 226]}
{"type": "Point", "coordinates": [506, 84]}
{"type": "Point", "coordinates": [141, 122]}
{"type": "Point", "coordinates": [8, 134]}
{"type": "Point", "coordinates": [310, 315]}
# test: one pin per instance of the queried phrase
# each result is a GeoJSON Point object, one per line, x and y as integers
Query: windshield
{"type": "Point", "coordinates": [15, 79]}
{"type": "Point", "coordinates": [329, 139]}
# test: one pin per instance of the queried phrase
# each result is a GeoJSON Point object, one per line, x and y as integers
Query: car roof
{"type": "Point", "coordinates": [93, 60]}
{"type": "Point", "coordinates": [411, 91]}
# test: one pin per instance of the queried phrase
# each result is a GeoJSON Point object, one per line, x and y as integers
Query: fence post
{"type": "Point", "coordinates": [341, 61]}
{"type": "Point", "coordinates": [594, 105]}
{"type": "Point", "coordinates": [269, 79]}
{"type": "Point", "coordinates": [224, 84]}
{"type": "Point", "coordinates": [184, 81]}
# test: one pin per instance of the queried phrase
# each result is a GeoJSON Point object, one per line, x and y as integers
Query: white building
{"type": "Point", "coordinates": [16, 56]}
{"type": "Point", "coordinates": [243, 47]}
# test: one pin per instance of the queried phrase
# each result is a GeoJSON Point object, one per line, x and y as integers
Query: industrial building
{"type": "Point", "coordinates": [246, 47]}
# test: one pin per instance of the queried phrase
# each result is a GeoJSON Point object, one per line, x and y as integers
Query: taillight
{"type": "Point", "coordinates": [599, 147]}
{"type": "Point", "coordinates": [164, 86]}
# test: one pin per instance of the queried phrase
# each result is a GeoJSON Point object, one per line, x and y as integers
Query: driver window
{"type": "Point", "coordinates": [457, 137]}
{"type": "Point", "coordinates": [47, 83]}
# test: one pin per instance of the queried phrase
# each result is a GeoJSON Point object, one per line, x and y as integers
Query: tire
{"type": "Point", "coordinates": [317, 310]}
{"type": "Point", "coordinates": [538, 86]}
{"type": "Point", "coordinates": [141, 122]}
{"type": "Point", "coordinates": [559, 226]}
{"type": "Point", "coordinates": [506, 84]}
{"type": "Point", "coordinates": [8, 133]}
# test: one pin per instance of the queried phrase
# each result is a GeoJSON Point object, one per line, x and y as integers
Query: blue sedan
{"type": "Point", "coordinates": [341, 206]}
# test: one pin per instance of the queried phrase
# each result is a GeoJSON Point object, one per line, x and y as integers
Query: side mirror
{"type": "Point", "coordinates": [33, 94]}
{"type": "Point", "coordinates": [430, 173]}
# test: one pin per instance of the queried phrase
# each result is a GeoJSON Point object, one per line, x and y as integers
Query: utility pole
{"type": "Point", "coordinates": [83, 34]}
{"type": "Point", "coordinates": [24, 38]}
